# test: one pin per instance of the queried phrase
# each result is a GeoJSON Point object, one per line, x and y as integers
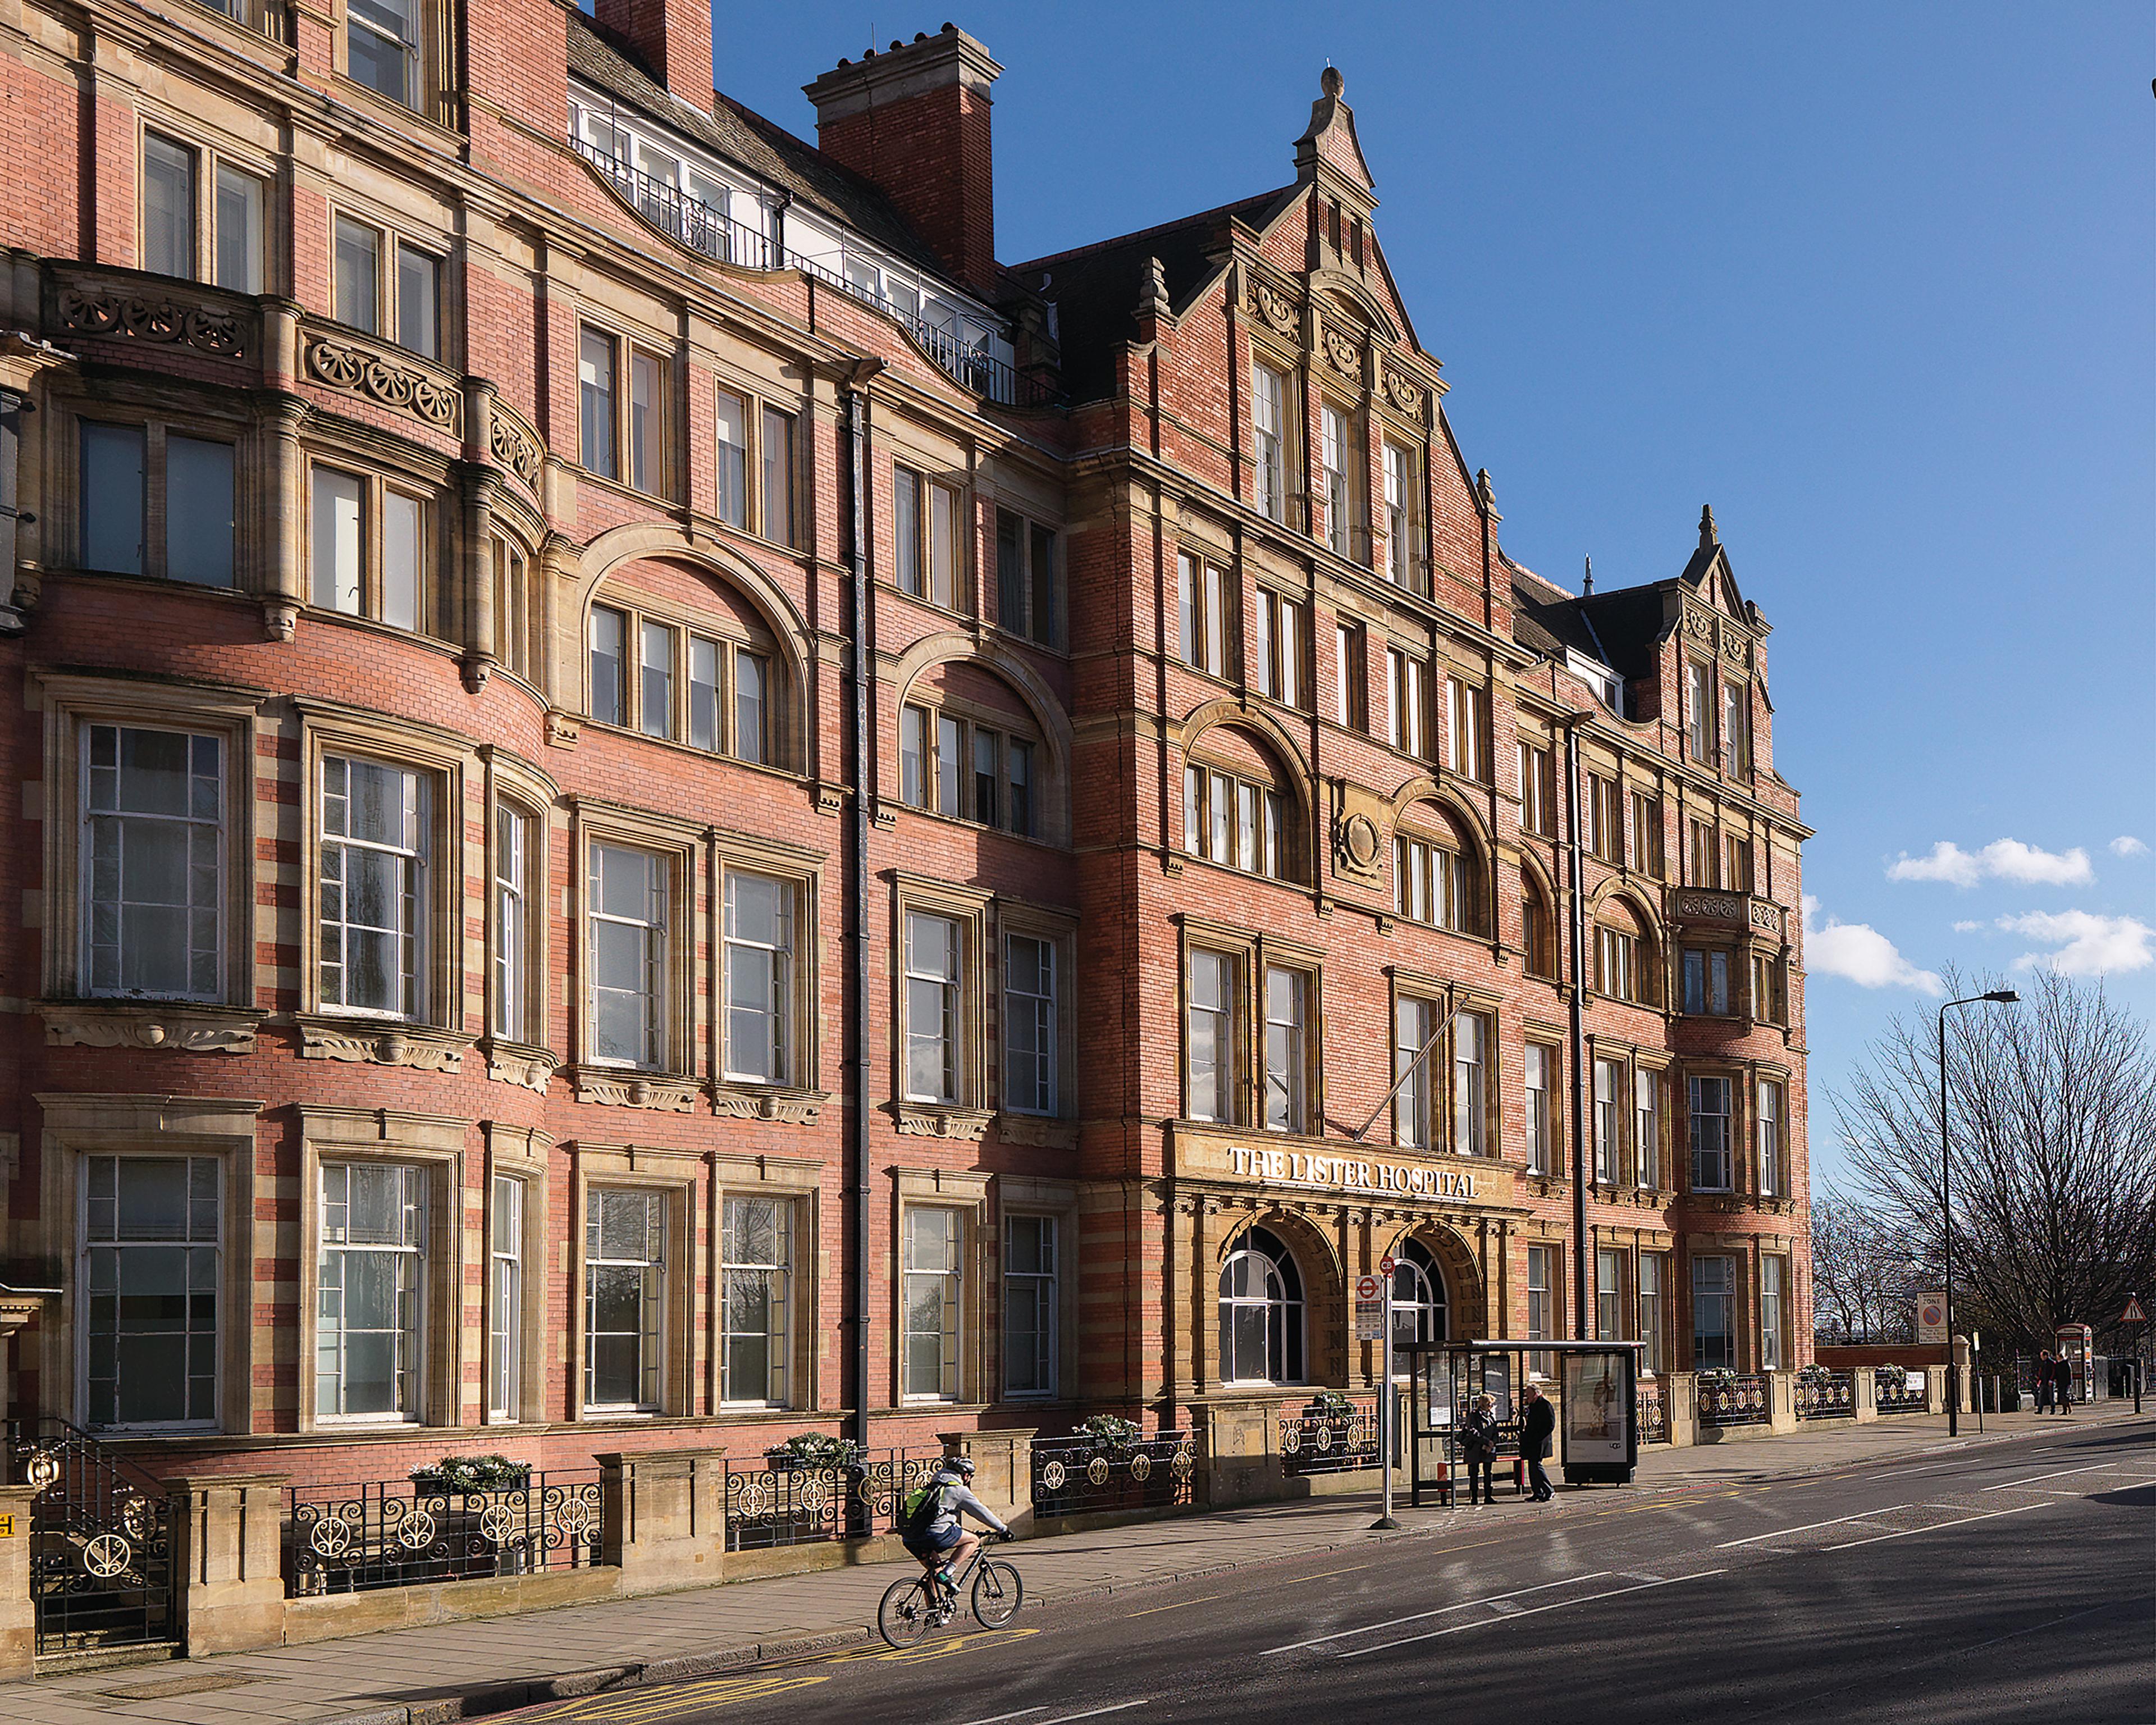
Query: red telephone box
{"type": "Point", "coordinates": [2077, 1347]}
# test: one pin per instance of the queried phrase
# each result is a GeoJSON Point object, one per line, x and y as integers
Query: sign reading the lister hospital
{"type": "Point", "coordinates": [1362, 1174]}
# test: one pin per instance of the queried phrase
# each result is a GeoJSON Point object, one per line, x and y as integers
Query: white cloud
{"type": "Point", "coordinates": [2084, 945]}
{"type": "Point", "coordinates": [1859, 954]}
{"type": "Point", "coordinates": [2126, 844]}
{"type": "Point", "coordinates": [2001, 860]}
{"type": "Point", "coordinates": [1967, 927]}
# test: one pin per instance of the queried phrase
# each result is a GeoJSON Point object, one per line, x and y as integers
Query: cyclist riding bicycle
{"type": "Point", "coordinates": [934, 1536]}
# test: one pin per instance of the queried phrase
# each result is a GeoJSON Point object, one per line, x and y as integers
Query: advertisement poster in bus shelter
{"type": "Point", "coordinates": [1597, 1410]}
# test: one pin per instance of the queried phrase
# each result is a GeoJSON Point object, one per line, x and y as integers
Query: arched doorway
{"type": "Point", "coordinates": [1420, 1309]}
{"type": "Point", "coordinates": [1261, 1312]}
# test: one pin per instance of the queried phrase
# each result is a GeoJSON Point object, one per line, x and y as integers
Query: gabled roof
{"type": "Point", "coordinates": [1709, 559]}
{"type": "Point", "coordinates": [1622, 630]}
{"type": "Point", "coordinates": [601, 57]}
{"type": "Point", "coordinates": [1097, 289]}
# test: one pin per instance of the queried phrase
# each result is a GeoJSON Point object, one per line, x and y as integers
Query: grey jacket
{"type": "Point", "coordinates": [955, 1498]}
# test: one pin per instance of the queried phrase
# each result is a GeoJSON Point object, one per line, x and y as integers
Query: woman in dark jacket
{"type": "Point", "coordinates": [1478, 1443]}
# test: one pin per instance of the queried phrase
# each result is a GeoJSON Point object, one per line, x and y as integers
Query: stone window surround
{"type": "Point", "coordinates": [520, 1153]}
{"type": "Point", "coordinates": [392, 227]}
{"type": "Point", "coordinates": [627, 340]}
{"type": "Point", "coordinates": [1293, 364]}
{"type": "Point", "coordinates": [968, 1115]}
{"type": "Point", "coordinates": [1059, 929]}
{"type": "Point", "coordinates": [436, 1143]}
{"type": "Point", "coordinates": [72, 704]}
{"type": "Point", "coordinates": [782, 697]}
{"type": "Point", "coordinates": [214, 149]}
{"type": "Point", "coordinates": [974, 717]}
{"type": "Point", "coordinates": [801, 1097]}
{"type": "Point", "coordinates": [680, 845]}
{"type": "Point", "coordinates": [434, 52]}
{"type": "Point", "coordinates": [966, 1191]}
{"type": "Point", "coordinates": [439, 1037]}
{"type": "Point", "coordinates": [130, 399]}
{"type": "Point", "coordinates": [1553, 1039]}
{"type": "Point", "coordinates": [673, 1174]}
{"type": "Point", "coordinates": [76, 1127]}
{"type": "Point", "coordinates": [756, 393]}
{"type": "Point", "coordinates": [894, 454]}
{"type": "Point", "coordinates": [1033, 1195]}
{"type": "Point", "coordinates": [1447, 995]}
{"type": "Point", "coordinates": [798, 1181]}
{"type": "Point", "coordinates": [1239, 945]}
{"type": "Point", "coordinates": [1631, 1060]}
{"type": "Point", "coordinates": [438, 530]}
{"type": "Point", "coordinates": [506, 780]}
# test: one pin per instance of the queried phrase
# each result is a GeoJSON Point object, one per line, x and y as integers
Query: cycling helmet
{"type": "Point", "coordinates": [961, 1465]}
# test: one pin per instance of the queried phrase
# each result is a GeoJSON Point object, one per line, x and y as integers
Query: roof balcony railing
{"type": "Point", "coordinates": [712, 234]}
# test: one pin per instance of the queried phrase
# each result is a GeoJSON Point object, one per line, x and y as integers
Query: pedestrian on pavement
{"type": "Point", "coordinates": [2045, 1382]}
{"type": "Point", "coordinates": [1538, 1423]}
{"type": "Point", "coordinates": [1478, 1443]}
{"type": "Point", "coordinates": [2063, 1376]}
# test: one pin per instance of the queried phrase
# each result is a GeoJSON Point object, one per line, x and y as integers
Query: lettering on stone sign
{"type": "Point", "coordinates": [1340, 1173]}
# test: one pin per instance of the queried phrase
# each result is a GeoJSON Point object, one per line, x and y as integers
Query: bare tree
{"type": "Point", "coordinates": [2052, 1111]}
{"type": "Point", "coordinates": [1865, 1276]}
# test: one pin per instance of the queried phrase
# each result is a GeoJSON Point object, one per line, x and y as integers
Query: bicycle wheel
{"type": "Point", "coordinates": [903, 1617]}
{"type": "Point", "coordinates": [998, 1593]}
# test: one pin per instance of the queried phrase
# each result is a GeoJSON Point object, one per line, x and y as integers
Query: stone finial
{"type": "Point", "coordinates": [1152, 301]}
{"type": "Point", "coordinates": [1331, 82]}
{"type": "Point", "coordinates": [1708, 538]}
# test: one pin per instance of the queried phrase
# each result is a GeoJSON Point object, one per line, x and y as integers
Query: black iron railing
{"type": "Point", "coordinates": [1654, 1412]}
{"type": "Point", "coordinates": [1741, 1400]}
{"type": "Point", "coordinates": [704, 230]}
{"type": "Point", "coordinates": [376, 1534]}
{"type": "Point", "coordinates": [1826, 1395]}
{"type": "Point", "coordinates": [772, 1502]}
{"type": "Point", "coordinates": [1082, 1474]}
{"type": "Point", "coordinates": [100, 1541]}
{"type": "Point", "coordinates": [1329, 1441]}
{"type": "Point", "coordinates": [1894, 1392]}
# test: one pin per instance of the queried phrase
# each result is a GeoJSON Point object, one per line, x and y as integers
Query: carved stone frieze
{"type": "Point", "coordinates": [1406, 394]}
{"type": "Point", "coordinates": [109, 311]}
{"type": "Point", "coordinates": [1038, 1131]}
{"type": "Point", "coordinates": [184, 1029]}
{"type": "Point", "coordinates": [342, 366]}
{"type": "Point", "coordinates": [968, 1125]}
{"type": "Point", "coordinates": [787, 1107]}
{"type": "Point", "coordinates": [512, 1063]}
{"type": "Point", "coordinates": [1735, 648]}
{"type": "Point", "coordinates": [418, 1046]}
{"type": "Point", "coordinates": [1699, 625]}
{"type": "Point", "coordinates": [1273, 307]}
{"type": "Point", "coordinates": [634, 1090]}
{"type": "Point", "coordinates": [513, 448]}
{"type": "Point", "coordinates": [1358, 848]}
{"type": "Point", "coordinates": [1342, 354]}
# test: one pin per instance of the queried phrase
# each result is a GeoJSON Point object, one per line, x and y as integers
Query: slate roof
{"type": "Point", "coordinates": [1096, 288]}
{"type": "Point", "coordinates": [1621, 628]}
{"type": "Point", "coordinates": [601, 57]}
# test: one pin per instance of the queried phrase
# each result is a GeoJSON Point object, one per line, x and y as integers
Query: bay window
{"type": "Point", "coordinates": [370, 1291]}
{"type": "Point", "coordinates": [1705, 972]}
{"type": "Point", "coordinates": [627, 940]}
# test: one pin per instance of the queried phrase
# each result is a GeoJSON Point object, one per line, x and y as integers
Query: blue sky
{"type": "Point", "coordinates": [1875, 281]}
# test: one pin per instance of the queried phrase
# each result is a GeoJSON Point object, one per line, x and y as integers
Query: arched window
{"type": "Point", "coordinates": [1624, 963]}
{"type": "Point", "coordinates": [1436, 872]}
{"type": "Point", "coordinates": [1537, 930]}
{"type": "Point", "coordinates": [1236, 807]}
{"type": "Point", "coordinates": [1419, 1311]}
{"type": "Point", "coordinates": [1260, 1312]}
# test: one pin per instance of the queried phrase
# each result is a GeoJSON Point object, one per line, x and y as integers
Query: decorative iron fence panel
{"type": "Point", "coordinates": [1080, 1475]}
{"type": "Point", "coordinates": [1893, 1393]}
{"type": "Point", "coordinates": [377, 1533]}
{"type": "Point", "coordinates": [1738, 1401]}
{"type": "Point", "coordinates": [100, 1541]}
{"type": "Point", "coordinates": [770, 1504]}
{"type": "Point", "coordinates": [1832, 1396]}
{"type": "Point", "coordinates": [1654, 1412]}
{"type": "Point", "coordinates": [1329, 1443]}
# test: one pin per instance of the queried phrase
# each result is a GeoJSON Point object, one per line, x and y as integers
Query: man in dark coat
{"type": "Point", "coordinates": [2045, 1383]}
{"type": "Point", "coordinates": [1538, 1424]}
{"type": "Point", "coordinates": [2063, 1376]}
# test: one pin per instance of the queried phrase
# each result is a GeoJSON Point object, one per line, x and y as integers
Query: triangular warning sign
{"type": "Point", "coordinates": [2134, 1314]}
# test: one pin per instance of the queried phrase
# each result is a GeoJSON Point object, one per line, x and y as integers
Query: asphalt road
{"type": "Point", "coordinates": [2005, 1581]}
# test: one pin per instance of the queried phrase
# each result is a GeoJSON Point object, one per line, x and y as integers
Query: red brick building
{"type": "Point", "coordinates": [657, 798]}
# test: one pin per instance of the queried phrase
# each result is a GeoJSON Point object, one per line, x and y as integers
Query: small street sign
{"type": "Point", "coordinates": [2134, 1314]}
{"type": "Point", "coordinates": [1385, 1264]}
{"type": "Point", "coordinates": [1365, 1287]}
{"type": "Point", "coordinates": [1369, 1319]}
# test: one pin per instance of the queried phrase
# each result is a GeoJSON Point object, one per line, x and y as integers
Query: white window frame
{"type": "Point", "coordinates": [413, 934]}
{"type": "Point", "coordinates": [915, 1277]}
{"type": "Point", "coordinates": [1288, 1013]}
{"type": "Point", "coordinates": [656, 927]}
{"type": "Point", "coordinates": [1037, 1093]}
{"type": "Point", "coordinates": [1218, 1101]}
{"type": "Point", "coordinates": [777, 961]}
{"type": "Point", "coordinates": [411, 1252]}
{"type": "Point", "coordinates": [948, 1008]}
{"type": "Point", "coordinates": [505, 1297]}
{"type": "Point", "coordinates": [1043, 1289]}
{"type": "Point", "coordinates": [653, 1297]}
{"type": "Point", "coordinates": [1269, 399]}
{"type": "Point", "coordinates": [777, 1275]}
{"type": "Point", "coordinates": [214, 825]}
{"type": "Point", "coordinates": [1716, 1159]}
{"type": "Point", "coordinates": [1538, 1069]}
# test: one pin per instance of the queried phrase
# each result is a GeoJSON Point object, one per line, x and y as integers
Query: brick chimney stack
{"type": "Point", "coordinates": [915, 121]}
{"type": "Point", "coordinates": [673, 38]}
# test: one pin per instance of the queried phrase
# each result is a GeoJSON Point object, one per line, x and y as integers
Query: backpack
{"type": "Point", "coordinates": [919, 1508]}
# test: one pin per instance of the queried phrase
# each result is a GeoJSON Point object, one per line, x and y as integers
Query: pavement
{"type": "Point", "coordinates": [617, 1649]}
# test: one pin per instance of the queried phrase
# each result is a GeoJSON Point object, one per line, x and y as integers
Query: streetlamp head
{"type": "Point", "coordinates": [2003, 997]}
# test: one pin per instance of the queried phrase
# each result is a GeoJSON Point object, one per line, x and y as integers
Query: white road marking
{"type": "Point", "coordinates": [1121, 1707]}
{"type": "Point", "coordinates": [1417, 1617]}
{"type": "Point", "coordinates": [1534, 1611]}
{"type": "Point", "coordinates": [2057, 1474]}
{"type": "Point", "coordinates": [1755, 1538]}
{"type": "Point", "coordinates": [998, 1718]}
{"type": "Point", "coordinates": [1939, 1527]}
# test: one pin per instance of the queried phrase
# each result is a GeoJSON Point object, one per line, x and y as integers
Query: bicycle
{"type": "Point", "coordinates": [913, 1607]}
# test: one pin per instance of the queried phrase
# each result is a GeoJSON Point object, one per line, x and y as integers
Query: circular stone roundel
{"type": "Point", "coordinates": [1358, 841]}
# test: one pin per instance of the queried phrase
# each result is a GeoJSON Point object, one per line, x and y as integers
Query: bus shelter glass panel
{"type": "Point", "coordinates": [1598, 1410]}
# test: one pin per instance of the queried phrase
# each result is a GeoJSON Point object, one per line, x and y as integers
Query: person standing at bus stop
{"type": "Point", "coordinates": [2045, 1382]}
{"type": "Point", "coordinates": [1537, 1426]}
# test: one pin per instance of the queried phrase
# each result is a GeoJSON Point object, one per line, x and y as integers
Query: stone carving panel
{"type": "Point", "coordinates": [341, 365]}
{"type": "Point", "coordinates": [108, 311]}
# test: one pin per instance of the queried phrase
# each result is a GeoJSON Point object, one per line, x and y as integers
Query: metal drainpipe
{"type": "Point", "coordinates": [1581, 1150]}
{"type": "Point", "coordinates": [859, 681]}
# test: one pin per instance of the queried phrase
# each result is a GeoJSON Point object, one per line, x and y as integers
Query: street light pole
{"type": "Point", "coordinates": [2001, 997]}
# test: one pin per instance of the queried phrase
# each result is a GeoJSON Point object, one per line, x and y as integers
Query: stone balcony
{"type": "Point", "coordinates": [1712, 908]}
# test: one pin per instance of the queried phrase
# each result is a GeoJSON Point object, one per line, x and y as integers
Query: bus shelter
{"type": "Point", "coordinates": [1595, 1394]}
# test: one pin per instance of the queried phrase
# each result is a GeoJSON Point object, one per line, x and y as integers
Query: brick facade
{"type": "Point", "coordinates": [760, 420]}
